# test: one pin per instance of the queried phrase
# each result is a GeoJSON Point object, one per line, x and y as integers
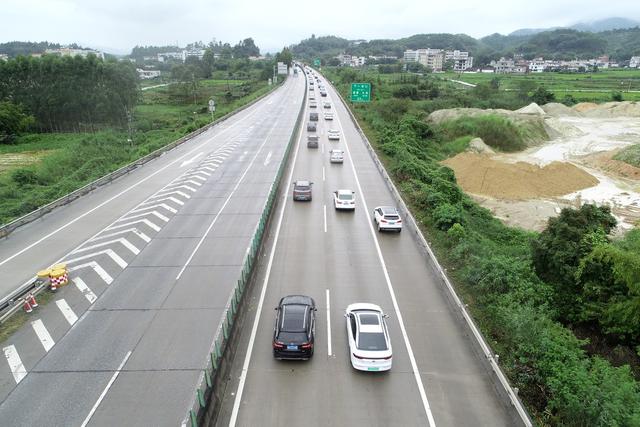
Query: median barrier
{"type": "Point", "coordinates": [500, 381]}
{"type": "Point", "coordinates": [208, 396]}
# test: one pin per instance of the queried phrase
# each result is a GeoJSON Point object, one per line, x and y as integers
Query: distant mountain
{"type": "Point", "coordinates": [607, 24]}
{"type": "Point", "coordinates": [598, 26]}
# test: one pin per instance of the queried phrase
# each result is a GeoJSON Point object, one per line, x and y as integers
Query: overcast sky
{"type": "Point", "coordinates": [118, 25]}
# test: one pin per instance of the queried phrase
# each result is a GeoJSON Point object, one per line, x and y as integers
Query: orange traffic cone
{"type": "Point", "coordinates": [32, 300]}
{"type": "Point", "coordinates": [53, 286]}
{"type": "Point", "coordinates": [27, 307]}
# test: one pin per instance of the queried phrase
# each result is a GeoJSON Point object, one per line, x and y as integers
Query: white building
{"type": "Point", "coordinates": [461, 60]}
{"type": "Point", "coordinates": [67, 51]}
{"type": "Point", "coordinates": [358, 61]}
{"type": "Point", "coordinates": [344, 59]}
{"type": "Point", "coordinates": [4, 57]}
{"type": "Point", "coordinates": [634, 62]}
{"type": "Point", "coordinates": [430, 58]}
{"type": "Point", "coordinates": [410, 56]}
{"type": "Point", "coordinates": [538, 65]}
{"type": "Point", "coordinates": [147, 74]}
{"type": "Point", "coordinates": [195, 53]}
{"type": "Point", "coordinates": [169, 55]}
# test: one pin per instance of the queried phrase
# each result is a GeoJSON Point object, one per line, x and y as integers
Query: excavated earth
{"type": "Point", "coordinates": [572, 164]}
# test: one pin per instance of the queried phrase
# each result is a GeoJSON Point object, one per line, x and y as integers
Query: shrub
{"type": "Point", "coordinates": [445, 215]}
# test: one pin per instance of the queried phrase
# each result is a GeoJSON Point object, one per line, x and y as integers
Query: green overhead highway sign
{"type": "Point", "coordinates": [316, 62]}
{"type": "Point", "coordinates": [360, 92]}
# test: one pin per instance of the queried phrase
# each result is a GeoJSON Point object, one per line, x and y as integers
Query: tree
{"type": "Point", "coordinates": [542, 96]}
{"type": "Point", "coordinates": [285, 56]}
{"type": "Point", "coordinates": [208, 61]}
{"type": "Point", "coordinates": [13, 120]}
{"type": "Point", "coordinates": [557, 251]}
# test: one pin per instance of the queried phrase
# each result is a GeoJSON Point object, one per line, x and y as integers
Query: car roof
{"type": "Point", "coordinates": [335, 150]}
{"type": "Point", "coordinates": [297, 299]}
{"type": "Point", "coordinates": [333, 130]}
{"type": "Point", "coordinates": [363, 305]}
{"type": "Point", "coordinates": [303, 183]}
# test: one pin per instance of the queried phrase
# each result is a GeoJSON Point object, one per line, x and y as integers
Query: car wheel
{"type": "Point", "coordinates": [379, 229]}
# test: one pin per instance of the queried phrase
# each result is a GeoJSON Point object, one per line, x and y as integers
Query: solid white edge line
{"type": "Point", "coordinates": [329, 352]}
{"type": "Point", "coordinates": [323, 174]}
{"type": "Point", "coordinates": [226, 202]}
{"type": "Point", "coordinates": [263, 292]}
{"type": "Point", "coordinates": [106, 389]}
{"type": "Point", "coordinates": [396, 307]}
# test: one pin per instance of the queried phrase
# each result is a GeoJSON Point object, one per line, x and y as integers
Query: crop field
{"type": "Point", "coordinates": [596, 86]}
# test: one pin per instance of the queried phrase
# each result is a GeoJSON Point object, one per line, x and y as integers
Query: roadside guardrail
{"type": "Point", "coordinates": [201, 409]}
{"type": "Point", "coordinates": [11, 303]}
{"type": "Point", "coordinates": [500, 380]}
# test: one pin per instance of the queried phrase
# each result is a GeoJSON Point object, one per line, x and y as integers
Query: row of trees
{"type": "Point", "coordinates": [65, 93]}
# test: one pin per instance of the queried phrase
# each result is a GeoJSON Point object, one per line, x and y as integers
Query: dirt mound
{"type": "Point", "coordinates": [532, 108]}
{"type": "Point", "coordinates": [614, 109]}
{"type": "Point", "coordinates": [605, 162]}
{"type": "Point", "coordinates": [582, 107]}
{"type": "Point", "coordinates": [479, 174]}
{"type": "Point", "coordinates": [477, 145]}
{"type": "Point", "coordinates": [555, 109]}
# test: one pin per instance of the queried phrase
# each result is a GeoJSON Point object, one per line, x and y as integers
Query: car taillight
{"type": "Point", "coordinates": [306, 346]}
{"type": "Point", "coordinates": [399, 221]}
{"type": "Point", "coordinates": [383, 220]}
{"type": "Point", "coordinates": [278, 344]}
{"type": "Point", "coordinates": [357, 357]}
{"type": "Point", "coordinates": [387, 358]}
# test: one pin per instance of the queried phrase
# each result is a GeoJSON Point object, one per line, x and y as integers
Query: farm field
{"type": "Point", "coordinates": [596, 87]}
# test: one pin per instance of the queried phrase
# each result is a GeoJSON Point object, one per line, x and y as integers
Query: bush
{"type": "Point", "coordinates": [496, 131]}
{"type": "Point", "coordinates": [445, 215]}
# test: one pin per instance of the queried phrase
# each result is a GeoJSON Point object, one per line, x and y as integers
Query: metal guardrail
{"type": "Point", "coordinates": [490, 358]}
{"type": "Point", "coordinates": [205, 388]}
{"type": "Point", "coordinates": [14, 300]}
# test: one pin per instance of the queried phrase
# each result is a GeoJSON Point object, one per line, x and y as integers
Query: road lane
{"type": "Point", "coordinates": [167, 323]}
{"type": "Point", "coordinates": [326, 390]}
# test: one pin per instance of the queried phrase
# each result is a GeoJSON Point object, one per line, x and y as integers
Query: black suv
{"type": "Point", "coordinates": [294, 332]}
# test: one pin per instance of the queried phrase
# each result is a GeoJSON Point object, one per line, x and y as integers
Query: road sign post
{"type": "Point", "coordinates": [360, 92]}
{"type": "Point", "coordinates": [212, 107]}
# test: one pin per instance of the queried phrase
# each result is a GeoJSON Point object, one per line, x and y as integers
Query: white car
{"type": "Point", "coordinates": [326, 104]}
{"type": "Point", "coordinates": [387, 218]}
{"type": "Point", "coordinates": [344, 199]}
{"type": "Point", "coordinates": [333, 134]}
{"type": "Point", "coordinates": [328, 115]}
{"type": "Point", "coordinates": [336, 156]}
{"type": "Point", "coordinates": [369, 343]}
{"type": "Point", "coordinates": [313, 104]}
{"type": "Point", "coordinates": [311, 97]}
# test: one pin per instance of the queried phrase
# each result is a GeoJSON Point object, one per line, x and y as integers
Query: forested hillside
{"type": "Point", "coordinates": [620, 45]}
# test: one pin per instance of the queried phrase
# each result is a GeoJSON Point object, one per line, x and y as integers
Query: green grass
{"type": "Point", "coordinates": [630, 155]}
{"type": "Point", "coordinates": [74, 159]}
{"type": "Point", "coordinates": [596, 87]}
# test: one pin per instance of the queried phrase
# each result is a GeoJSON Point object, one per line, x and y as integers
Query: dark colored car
{"type": "Point", "coordinates": [313, 116]}
{"type": "Point", "coordinates": [311, 126]}
{"type": "Point", "coordinates": [294, 332]}
{"type": "Point", "coordinates": [312, 141]}
{"type": "Point", "coordinates": [302, 190]}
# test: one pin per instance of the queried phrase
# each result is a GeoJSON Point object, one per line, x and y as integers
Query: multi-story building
{"type": "Point", "coordinates": [461, 60]}
{"type": "Point", "coordinates": [634, 62]}
{"type": "Point", "coordinates": [431, 58]}
{"type": "Point", "coordinates": [358, 61]}
{"type": "Point", "coordinates": [538, 65]}
{"type": "Point", "coordinates": [344, 59]}
{"type": "Point", "coordinates": [410, 56]}
{"type": "Point", "coordinates": [147, 74]}
{"type": "Point", "coordinates": [4, 57]}
{"type": "Point", "coordinates": [195, 53]}
{"type": "Point", "coordinates": [67, 51]}
{"type": "Point", "coordinates": [503, 65]}
{"type": "Point", "coordinates": [169, 55]}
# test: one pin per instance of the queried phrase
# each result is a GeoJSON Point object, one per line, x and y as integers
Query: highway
{"type": "Point", "coordinates": [337, 258]}
{"type": "Point", "coordinates": [153, 258]}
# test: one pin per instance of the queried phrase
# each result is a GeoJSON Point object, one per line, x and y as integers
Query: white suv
{"type": "Point", "coordinates": [387, 218]}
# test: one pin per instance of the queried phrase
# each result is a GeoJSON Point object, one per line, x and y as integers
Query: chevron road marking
{"type": "Point", "coordinates": [122, 240]}
{"type": "Point", "coordinates": [110, 253]}
{"type": "Point", "coordinates": [15, 364]}
{"type": "Point", "coordinates": [97, 268]}
{"type": "Point", "coordinates": [43, 334]}
{"type": "Point", "coordinates": [135, 231]}
{"type": "Point", "coordinates": [144, 221]}
{"type": "Point", "coordinates": [66, 311]}
{"type": "Point", "coordinates": [84, 289]}
{"type": "Point", "coordinates": [156, 213]}
{"type": "Point", "coordinates": [163, 193]}
{"type": "Point", "coordinates": [159, 205]}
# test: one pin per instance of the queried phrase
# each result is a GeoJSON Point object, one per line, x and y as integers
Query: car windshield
{"type": "Point", "coordinates": [372, 341]}
{"type": "Point", "coordinates": [391, 217]}
{"type": "Point", "coordinates": [302, 187]}
{"type": "Point", "coordinates": [345, 196]}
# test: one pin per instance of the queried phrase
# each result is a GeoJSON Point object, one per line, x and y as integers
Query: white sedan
{"type": "Point", "coordinates": [336, 156]}
{"type": "Point", "coordinates": [387, 218]}
{"type": "Point", "coordinates": [369, 343]}
{"type": "Point", "coordinates": [333, 134]}
{"type": "Point", "coordinates": [344, 199]}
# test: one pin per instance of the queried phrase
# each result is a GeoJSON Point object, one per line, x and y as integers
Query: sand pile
{"type": "Point", "coordinates": [584, 106]}
{"type": "Point", "coordinates": [614, 109]}
{"type": "Point", "coordinates": [532, 108]}
{"type": "Point", "coordinates": [479, 174]}
{"type": "Point", "coordinates": [555, 109]}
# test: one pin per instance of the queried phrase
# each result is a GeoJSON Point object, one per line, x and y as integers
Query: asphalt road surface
{"type": "Point", "coordinates": [153, 258]}
{"type": "Point", "coordinates": [338, 259]}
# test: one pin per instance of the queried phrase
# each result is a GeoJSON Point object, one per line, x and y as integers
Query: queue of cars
{"type": "Point", "coordinates": [367, 331]}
